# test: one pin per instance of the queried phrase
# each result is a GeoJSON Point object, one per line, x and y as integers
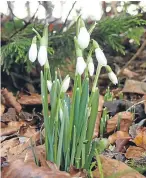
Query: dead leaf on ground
{"type": "Point", "coordinates": [128, 73]}
{"type": "Point", "coordinates": [125, 119]}
{"type": "Point", "coordinates": [20, 150]}
{"type": "Point", "coordinates": [133, 86]}
{"type": "Point", "coordinates": [8, 144]}
{"type": "Point", "coordinates": [74, 172]}
{"type": "Point", "coordinates": [112, 167]}
{"type": "Point", "coordinates": [134, 152]}
{"type": "Point", "coordinates": [30, 169]}
{"type": "Point", "coordinates": [11, 128]}
{"type": "Point", "coordinates": [32, 99]}
{"type": "Point", "coordinates": [140, 139]}
{"type": "Point", "coordinates": [118, 135]}
{"type": "Point", "coordinates": [97, 123]}
{"type": "Point", "coordinates": [10, 100]}
{"type": "Point", "coordinates": [27, 131]}
{"type": "Point", "coordinates": [10, 115]}
{"type": "Point", "coordinates": [2, 109]}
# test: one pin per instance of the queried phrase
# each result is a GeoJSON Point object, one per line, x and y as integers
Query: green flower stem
{"type": "Point", "coordinates": [88, 60]}
{"type": "Point", "coordinates": [92, 28]}
{"type": "Point", "coordinates": [45, 113]}
{"type": "Point", "coordinates": [96, 77]}
{"type": "Point", "coordinates": [38, 35]}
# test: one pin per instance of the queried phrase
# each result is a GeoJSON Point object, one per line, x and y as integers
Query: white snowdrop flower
{"type": "Point", "coordinates": [33, 50]}
{"type": "Point", "coordinates": [42, 55]}
{"type": "Point", "coordinates": [113, 77]}
{"type": "Point", "coordinates": [80, 66]}
{"type": "Point", "coordinates": [83, 38]}
{"type": "Point", "coordinates": [100, 57]}
{"type": "Point", "coordinates": [49, 85]}
{"type": "Point", "coordinates": [91, 67]}
{"type": "Point", "coordinates": [65, 84]}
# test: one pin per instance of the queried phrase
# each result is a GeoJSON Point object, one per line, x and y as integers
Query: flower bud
{"type": "Point", "coordinates": [80, 66]}
{"type": "Point", "coordinates": [113, 77]}
{"type": "Point", "coordinates": [91, 67]}
{"type": "Point", "coordinates": [100, 57]}
{"type": "Point", "coordinates": [42, 55]}
{"type": "Point", "coordinates": [65, 84]}
{"type": "Point", "coordinates": [49, 85]}
{"type": "Point", "coordinates": [33, 50]}
{"type": "Point", "coordinates": [83, 38]}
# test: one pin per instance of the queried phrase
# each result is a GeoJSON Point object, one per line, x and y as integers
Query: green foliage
{"type": "Point", "coordinates": [114, 30]}
{"type": "Point", "coordinates": [109, 32]}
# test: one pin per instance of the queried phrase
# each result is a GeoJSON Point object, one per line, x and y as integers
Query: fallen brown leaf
{"type": "Point", "coordinates": [7, 145]}
{"type": "Point", "coordinates": [140, 139]}
{"type": "Point", "coordinates": [11, 127]}
{"type": "Point", "coordinates": [20, 150]}
{"type": "Point", "coordinates": [97, 123]}
{"type": "Point", "coordinates": [21, 169]}
{"type": "Point", "coordinates": [112, 167]}
{"type": "Point", "coordinates": [134, 152]}
{"type": "Point", "coordinates": [2, 109]}
{"type": "Point", "coordinates": [74, 172]}
{"type": "Point", "coordinates": [27, 131]}
{"type": "Point", "coordinates": [125, 121]}
{"type": "Point", "coordinates": [10, 100]}
{"type": "Point", "coordinates": [32, 99]}
{"type": "Point", "coordinates": [133, 86]}
{"type": "Point", "coordinates": [118, 135]}
{"type": "Point", "coordinates": [128, 73]}
{"type": "Point", "coordinates": [10, 115]}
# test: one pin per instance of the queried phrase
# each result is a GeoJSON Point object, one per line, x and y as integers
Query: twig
{"type": "Point", "coordinates": [68, 16]}
{"type": "Point", "coordinates": [9, 6]}
{"type": "Point", "coordinates": [134, 57]}
{"type": "Point", "coordinates": [26, 24]}
{"type": "Point", "coordinates": [135, 105]}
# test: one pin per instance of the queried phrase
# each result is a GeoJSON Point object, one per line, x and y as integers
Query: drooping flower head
{"type": "Point", "coordinates": [33, 50]}
{"type": "Point", "coordinates": [91, 67]}
{"type": "Point", "coordinates": [83, 37]}
{"type": "Point", "coordinates": [65, 84]}
{"type": "Point", "coordinates": [112, 76]}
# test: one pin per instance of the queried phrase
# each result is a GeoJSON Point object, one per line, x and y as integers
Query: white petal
{"type": "Point", "coordinates": [91, 68]}
{"type": "Point", "coordinates": [65, 84]}
{"type": "Point", "coordinates": [80, 66]}
{"type": "Point", "coordinates": [42, 55]}
{"type": "Point", "coordinates": [33, 52]}
{"type": "Point", "coordinates": [49, 85]}
{"type": "Point", "coordinates": [100, 57]}
{"type": "Point", "coordinates": [113, 77]}
{"type": "Point", "coordinates": [83, 38]}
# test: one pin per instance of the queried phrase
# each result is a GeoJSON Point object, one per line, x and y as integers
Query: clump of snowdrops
{"type": "Point", "coordinates": [69, 126]}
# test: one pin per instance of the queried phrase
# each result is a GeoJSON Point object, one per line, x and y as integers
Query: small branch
{"type": "Point", "coordinates": [26, 24]}
{"type": "Point", "coordinates": [134, 57]}
{"type": "Point", "coordinates": [68, 16]}
{"type": "Point", "coordinates": [11, 11]}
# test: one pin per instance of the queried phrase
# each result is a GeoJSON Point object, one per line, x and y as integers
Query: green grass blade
{"type": "Point", "coordinates": [73, 147]}
{"type": "Point", "coordinates": [92, 119]}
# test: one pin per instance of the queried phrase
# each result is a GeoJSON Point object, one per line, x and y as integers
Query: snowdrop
{"type": "Point", "coordinates": [80, 65]}
{"type": "Point", "coordinates": [100, 57]}
{"type": "Point", "coordinates": [113, 77]}
{"type": "Point", "coordinates": [42, 55]}
{"type": "Point", "coordinates": [83, 38]}
{"type": "Point", "coordinates": [65, 84]}
{"type": "Point", "coordinates": [33, 50]}
{"type": "Point", "coordinates": [49, 85]}
{"type": "Point", "coordinates": [91, 67]}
